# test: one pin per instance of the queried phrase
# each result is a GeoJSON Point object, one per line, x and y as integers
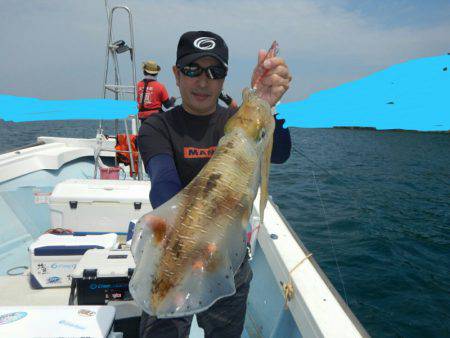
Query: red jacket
{"type": "Point", "coordinates": [151, 102]}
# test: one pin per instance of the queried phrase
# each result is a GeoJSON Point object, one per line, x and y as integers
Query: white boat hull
{"type": "Point", "coordinates": [280, 259]}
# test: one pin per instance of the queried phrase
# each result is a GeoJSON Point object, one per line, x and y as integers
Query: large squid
{"type": "Point", "coordinates": [188, 250]}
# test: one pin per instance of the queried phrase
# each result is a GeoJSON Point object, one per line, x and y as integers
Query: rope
{"type": "Point", "coordinates": [59, 231]}
{"type": "Point", "coordinates": [288, 288]}
{"type": "Point", "coordinates": [11, 273]}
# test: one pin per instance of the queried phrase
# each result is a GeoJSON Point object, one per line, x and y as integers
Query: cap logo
{"type": "Point", "coordinates": [205, 43]}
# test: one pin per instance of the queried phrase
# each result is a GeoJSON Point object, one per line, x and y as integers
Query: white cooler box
{"type": "Point", "coordinates": [102, 276]}
{"type": "Point", "coordinates": [57, 321]}
{"type": "Point", "coordinates": [54, 257]}
{"type": "Point", "coordinates": [98, 206]}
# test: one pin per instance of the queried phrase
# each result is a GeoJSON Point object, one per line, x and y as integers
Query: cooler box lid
{"type": "Point", "coordinates": [67, 245]}
{"type": "Point", "coordinates": [90, 191]}
{"type": "Point", "coordinates": [102, 263]}
{"type": "Point", "coordinates": [56, 321]}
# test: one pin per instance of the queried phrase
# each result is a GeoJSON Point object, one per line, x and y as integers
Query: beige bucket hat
{"type": "Point", "coordinates": [151, 67]}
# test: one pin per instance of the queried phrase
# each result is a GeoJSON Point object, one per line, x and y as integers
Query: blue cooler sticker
{"type": "Point", "coordinates": [11, 317]}
{"type": "Point", "coordinates": [70, 266]}
{"type": "Point", "coordinates": [70, 324]}
{"type": "Point", "coordinates": [94, 286]}
{"type": "Point", "coordinates": [53, 280]}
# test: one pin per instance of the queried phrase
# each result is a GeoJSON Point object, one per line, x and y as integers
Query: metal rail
{"type": "Point", "coordinates": [113, 48]}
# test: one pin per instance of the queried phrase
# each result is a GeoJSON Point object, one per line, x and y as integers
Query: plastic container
{"type": "Point", "coordinates": [98, 206]}
{"type": "Point", "coordinates": [101, 276]}
{"type": "Point", "coordinates": [54, 257]}
{"type": "Point", "coordinates": [57, 321]}
{"type": "Point", "coordinates": [110, 173]}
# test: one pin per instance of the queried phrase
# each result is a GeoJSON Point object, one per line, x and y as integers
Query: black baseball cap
{"type": "Point", "coordinates": [196, 44]}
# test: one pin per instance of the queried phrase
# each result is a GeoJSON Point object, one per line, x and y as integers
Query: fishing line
{"type": "Point", "coordinates": [352, 194]}
{"type": "Point", "coordinates": [325, 215]}
{"type": "Point", "coordinates": [317, 165]}
{"type": "Point", "coordinates": [329, 236]}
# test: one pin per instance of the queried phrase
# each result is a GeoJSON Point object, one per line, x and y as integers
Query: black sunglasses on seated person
{"type": "Point", "coordinates": [212, 72]}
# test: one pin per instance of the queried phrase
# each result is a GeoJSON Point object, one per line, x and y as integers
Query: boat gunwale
{"type": "Point", "coordinates": [30, 145]}
{"type": "Point", "coordinates": [321, 273]}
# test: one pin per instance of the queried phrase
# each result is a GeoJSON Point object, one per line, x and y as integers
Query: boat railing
{"type": "Point", "coordinates": [136, 172]}
{"type": "Point", "coordinates": [113, 49]}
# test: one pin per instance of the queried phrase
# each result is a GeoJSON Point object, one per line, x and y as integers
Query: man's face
{"type": "Point", "coordinates": [199, 94]}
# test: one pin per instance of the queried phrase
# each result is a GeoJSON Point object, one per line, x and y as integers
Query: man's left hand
{"type": "Point", "coordinates": [276, 80]}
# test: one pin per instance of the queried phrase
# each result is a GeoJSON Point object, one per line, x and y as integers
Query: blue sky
{"type": "Point", "coordinates": [55, 49]}
{"type": "Point", "coordinates": [390, 14]}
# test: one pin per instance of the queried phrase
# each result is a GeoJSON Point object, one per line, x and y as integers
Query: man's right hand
{"type": "Point", "coordinates": [275, 78]}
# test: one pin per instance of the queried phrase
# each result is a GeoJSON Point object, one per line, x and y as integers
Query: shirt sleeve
{"type": "Point", "coordinates": [169, 102]}
{"type": "Point", "coordinates": [282, 144]}
{"type": "Point", "coordinates": [164, 93]}
{"type": "Point", "coordinates": [164, 177]}
{"type": "Point", "coordinates": [154, 138]}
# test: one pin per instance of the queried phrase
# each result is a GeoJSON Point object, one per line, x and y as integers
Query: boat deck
{"type": "Point", "coordinates": [20, 293]}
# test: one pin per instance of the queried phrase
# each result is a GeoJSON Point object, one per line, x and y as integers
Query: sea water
{"type": "Point", "coordinates": [373, 207]}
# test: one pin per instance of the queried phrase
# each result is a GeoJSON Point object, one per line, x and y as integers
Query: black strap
{"type": "Point", "coordinates": [225, 98]}
{"type": "Point", "coordinates": [141, 106]}
{"type": "Point", "coordinates": [73, 286]}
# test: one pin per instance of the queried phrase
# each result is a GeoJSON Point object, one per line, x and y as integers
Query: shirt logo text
{"type": "Point", "coordinates": [192, 152]}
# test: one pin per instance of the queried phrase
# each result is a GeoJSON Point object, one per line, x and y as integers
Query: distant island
{"type": "Point", "coordinates": [354, 128]}
{"type": "Point", "coordinates": [394, 130]}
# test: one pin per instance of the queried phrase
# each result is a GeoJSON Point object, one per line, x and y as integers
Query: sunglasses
{"type": "Point", "coordinates": [212, 72]}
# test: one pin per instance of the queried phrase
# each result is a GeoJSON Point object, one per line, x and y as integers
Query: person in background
{"type": "Point", "coordinates": [176, 144]}
{"type": "Point", "coordinates": [151, 94]}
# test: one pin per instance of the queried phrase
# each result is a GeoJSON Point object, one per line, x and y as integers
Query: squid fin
{"type": "Point", "coordinates": [265, 167]}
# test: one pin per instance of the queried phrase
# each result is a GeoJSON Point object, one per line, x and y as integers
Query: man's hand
{"type": "Point", "coordinates": [274, 83]}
